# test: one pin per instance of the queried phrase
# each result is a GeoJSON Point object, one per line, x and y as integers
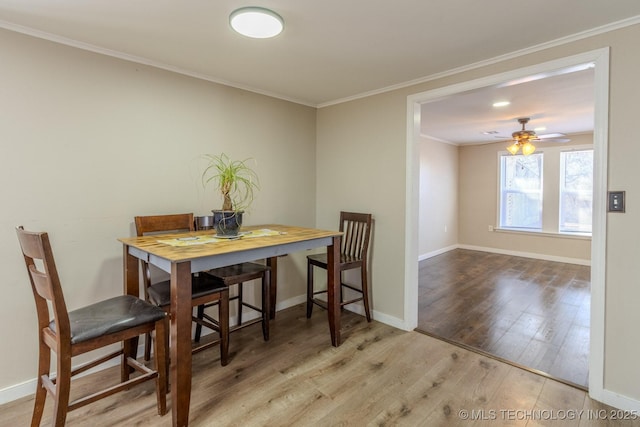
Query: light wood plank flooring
{"type": "Point", "coordinates": [379, 376]}
{"type": "Point", "coordinates": [532, 312]}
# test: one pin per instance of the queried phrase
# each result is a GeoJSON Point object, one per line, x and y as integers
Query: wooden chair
{"type": "Point", "coordinates": [72, 333]}
{"type": "Point", "coordinates": [236, 275]}
{"type": "Point", "coordinates": [204, 289]}
{"type": "Point", "coordinates": [353, 254]}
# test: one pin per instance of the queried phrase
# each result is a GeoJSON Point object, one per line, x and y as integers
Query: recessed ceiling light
{"type": "Point", "coordinates": [501, 104]}
{"type": "Point", "coordinates": [256, 22]}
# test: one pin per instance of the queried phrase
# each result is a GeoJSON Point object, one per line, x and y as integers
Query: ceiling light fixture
{"type": "Point", "coordinates": [522, 139]}
{"type": "Point", "coordinates": [527, 148]}
{"type": "Point", "coordinates": [256, 22]}
{"type": "Point", "coordinates": [501, 104]}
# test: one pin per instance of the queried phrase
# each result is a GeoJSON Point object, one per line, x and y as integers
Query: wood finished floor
{"type": "Point", "coordinates": [532, 312]}
{"type": "Point", "coordinates": [379, 376]}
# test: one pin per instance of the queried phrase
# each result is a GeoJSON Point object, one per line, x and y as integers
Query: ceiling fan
{"type": "Point", "coordinates": [523, 139]}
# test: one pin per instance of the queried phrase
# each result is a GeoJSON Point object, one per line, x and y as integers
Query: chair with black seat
{"type": "Point", "coordinates": [238, 274]}
{"type": "Point", "coordinates": [354, 249]}
{"type": "Point", "coordinates": [204, 289]}
{"type": "Point", "coordinates": [71, 333]}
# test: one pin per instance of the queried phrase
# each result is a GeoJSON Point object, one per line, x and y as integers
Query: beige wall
{"type": "Point", "coordinates": [438, 205]}
{"type": "Point", "coordinates": [90, 141]}
{"type": "Point", "coordinates": [479, 178]}
{"type": "Point", "coordinates": [362, 143]}
{"type": "Point", "coordinates": [360, 167]}
{"type": "Point", "coordinates": [458, 202]}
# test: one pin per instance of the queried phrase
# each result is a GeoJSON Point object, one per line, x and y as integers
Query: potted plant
{"type": "Point", "coordinates": [236, 183]}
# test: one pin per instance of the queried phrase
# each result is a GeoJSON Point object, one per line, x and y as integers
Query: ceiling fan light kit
{"type": "Point", "coordinates": [527, 148]}
{"type": "Point", "coordinates": [513, 149]}
{"type": "Point", "coordinates": [522, 139]}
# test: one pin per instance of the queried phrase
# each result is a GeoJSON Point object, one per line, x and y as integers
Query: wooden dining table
{"type": "Point", "coordinates": [189, 255]}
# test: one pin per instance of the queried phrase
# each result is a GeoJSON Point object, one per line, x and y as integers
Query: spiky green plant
{"type": "Point", "coordinates": [234, 180]}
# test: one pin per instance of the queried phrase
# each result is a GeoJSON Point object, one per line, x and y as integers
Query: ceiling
{"type": "Point", "coordinates": [330, 50]}
{"type": "Point", "coordinates": [558, 102]}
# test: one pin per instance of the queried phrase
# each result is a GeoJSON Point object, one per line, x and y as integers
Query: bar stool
{"type": "Point", "coordinates": [204, 290]}
{"type": "Point", "coordinates": [353, 254]}
{"type": "Point", "coordinates": [237, 274]}
{"type": "Point", "coordinates": [72, 333]}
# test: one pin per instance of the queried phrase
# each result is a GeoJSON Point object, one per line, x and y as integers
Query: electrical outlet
{"type": "Point", "coordinates": [491, 228]}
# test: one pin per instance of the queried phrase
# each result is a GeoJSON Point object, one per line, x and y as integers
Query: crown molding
{"type": "Point", "coordinates": [156, 64]}
{"type": "Point", "coordinates": [141, 60]}
{"type": "Point", "coordinates": [516, 54]}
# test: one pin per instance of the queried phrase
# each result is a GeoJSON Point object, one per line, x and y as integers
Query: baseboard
{"type": "Point", "coordinates": [379, 317]}
{"type": "Point", "coordinates": [621, 402]}
{"type": "Point", "coordinates": [28, 388]}
{"type": "Point", "coordinates": [532, 255]}
{"type": "Point", "coordinates": [17, 391]}
{"type": "Point", "coordinates": [291, 302]}
{"type": "Point", "coordinates": [390, 320]}
{"type": "Point", "coordinates": [437, 252]}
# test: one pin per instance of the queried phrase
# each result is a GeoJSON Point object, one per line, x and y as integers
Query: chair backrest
{"type": "Point", "coordinates": [157, 224]}
{"type": "Point", "coordinates": [357, 232]}
{"type": "Point", "coordinates": [164, 223]}
{"type": "Point", "coordinates": [204, 222]}
{"type": "Point", "coordinates": [45, 283]}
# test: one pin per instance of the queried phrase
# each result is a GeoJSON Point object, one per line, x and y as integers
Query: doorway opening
{"type": "Point", "coordinates": [600, 60]}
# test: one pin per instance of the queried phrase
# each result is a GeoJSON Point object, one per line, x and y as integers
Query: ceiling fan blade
{"type": "Point", "coordinates": [525, 135]}
{"type": "Point", "coordinates": [555, 140]}
{"type": "Point", "coordinates": [552, 135]}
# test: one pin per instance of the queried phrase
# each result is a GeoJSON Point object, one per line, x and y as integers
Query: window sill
{"type": "Point", "coordinates": [577, 236]}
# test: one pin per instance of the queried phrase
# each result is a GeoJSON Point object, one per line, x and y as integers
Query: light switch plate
{"type": "Point", "coordinates": [616, 201]}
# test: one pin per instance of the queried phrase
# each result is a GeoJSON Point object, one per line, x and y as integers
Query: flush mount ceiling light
{"type": "Point", "coordinates": [256, 22]}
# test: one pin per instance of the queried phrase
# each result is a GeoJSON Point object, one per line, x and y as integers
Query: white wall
{"type": "Point", "coordinates": [89, 141]}
{"type": "Point", "coordinates": [438, 210]}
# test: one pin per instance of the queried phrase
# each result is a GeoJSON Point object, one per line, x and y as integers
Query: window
{"type": "Point", "coordinates": [521, 191]}
{"type": "Point", "coordinates": [576, 191]}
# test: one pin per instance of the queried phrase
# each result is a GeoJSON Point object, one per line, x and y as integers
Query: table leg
{"type": "Point", "coordinates": [181, 313]}
{"type": "Point", "coordinates": [131, 287]}
{"type": "Point", "coordinates": [333, 290]}
{"type": "Point", "coordinates": [273, 264]}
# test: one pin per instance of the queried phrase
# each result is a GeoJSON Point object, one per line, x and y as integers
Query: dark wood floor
{"type": "Point", "coordinates": [531, 312]}
{"type": "Point", "coordinates": [379, 376]}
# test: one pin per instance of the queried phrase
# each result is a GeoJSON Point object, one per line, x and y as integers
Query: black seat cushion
{"type": "Point", "coordinates": [109, 316]}
{"type": "Point", "coordinates": [160, 293]}
{"type": "Point", "coordinates": [237, 273]}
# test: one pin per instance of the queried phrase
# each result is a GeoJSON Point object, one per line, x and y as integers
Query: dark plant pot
{"type": "Point", "coordinates": [227, 223]}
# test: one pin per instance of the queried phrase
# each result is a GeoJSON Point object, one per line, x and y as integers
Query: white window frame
{"type": "Point", "coordinates": [502, 155]}
{"type": "Point", "coordinates": [561, 189]}
{"type": "Point", "coordinates": [548, 228]}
